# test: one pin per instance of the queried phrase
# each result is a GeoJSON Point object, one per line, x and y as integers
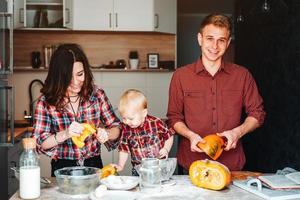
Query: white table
{"type": "Point", "coordinates": [183, 189]}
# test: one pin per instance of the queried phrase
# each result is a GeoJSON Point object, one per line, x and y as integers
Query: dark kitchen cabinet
{"type": "Point", "coordinates": [9, 158]}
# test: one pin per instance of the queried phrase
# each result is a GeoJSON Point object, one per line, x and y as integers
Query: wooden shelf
{"type": "Point", "coordinates": [43, 4]}
{"type": "Point", "coordinates": [30, 69]}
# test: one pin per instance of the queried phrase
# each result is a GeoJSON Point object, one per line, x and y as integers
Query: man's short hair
{"type": "Point", "coordinates": [218, 20]}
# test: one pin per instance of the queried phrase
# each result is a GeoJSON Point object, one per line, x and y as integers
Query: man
{"type": "Point", "coordinates": [208, 97]}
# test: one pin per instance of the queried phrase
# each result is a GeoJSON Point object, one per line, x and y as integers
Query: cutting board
{"type": "Point", "coordinates": [267, 193]}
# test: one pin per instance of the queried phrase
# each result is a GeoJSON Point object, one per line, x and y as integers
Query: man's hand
{"type": "Point", "coordinates": [232, 137]}
{"type": "Point", "coordinates": [102, 135]}
{"type": "Point", "coordinates": [195, 139]}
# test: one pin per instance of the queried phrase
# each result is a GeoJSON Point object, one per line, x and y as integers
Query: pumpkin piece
{"type": "Point", "coordinates": [213, 146]}
{"type": "Point", "coordinates": [87, 131]}
{"type": "Point", "coordinates": [78, 142]}
{"type": "Point", "coordinates": [107, 170]}
{"type": "Point", "coordinates": [209, 174]}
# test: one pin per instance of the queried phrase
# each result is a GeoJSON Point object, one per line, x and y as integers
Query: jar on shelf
{"type": "Point", "coordinates": [29, 170]}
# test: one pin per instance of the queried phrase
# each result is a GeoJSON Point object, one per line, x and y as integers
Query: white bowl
{"type": "Point", "coordinates": [120, 182]}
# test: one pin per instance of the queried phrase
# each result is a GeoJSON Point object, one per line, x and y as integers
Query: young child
{"type": "Point", "coordinates": [142, 135]}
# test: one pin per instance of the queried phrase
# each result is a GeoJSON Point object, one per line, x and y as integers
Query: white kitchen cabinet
{"type": "Point", "coordinates": [123, 15]}
{"type": "Point", "coordinates": [165, 12]}
{"type": "Point", "coordinates": [94, 15]}
{"type": "Point", "coordinates": [27, 13]}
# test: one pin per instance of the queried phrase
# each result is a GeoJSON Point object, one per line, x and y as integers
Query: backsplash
{"type": "Point", "coordinates": [100, 47]}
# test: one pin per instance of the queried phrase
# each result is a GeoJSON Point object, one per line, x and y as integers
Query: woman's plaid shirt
{"type": "Point", "coordinates": [48, 120]}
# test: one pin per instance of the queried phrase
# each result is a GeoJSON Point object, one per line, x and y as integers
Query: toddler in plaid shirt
{"type": "Point", "coordinates": [142, 135]}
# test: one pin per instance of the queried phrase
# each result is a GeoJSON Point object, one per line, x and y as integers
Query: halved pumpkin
{"type": "Point", "coordinates": [87, 131]}
{"type": "Point", "coordinates": [213, 146]}
{"type": "Point", "coordinates": [209, 174]}
{"type": "Point", "coordinates": [107, 170]}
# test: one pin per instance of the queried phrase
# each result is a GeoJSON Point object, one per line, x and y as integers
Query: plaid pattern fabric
{"type": "Point", "coordinates": [48, 120]}
{"type": "Point", "coordinates": [146, 140]}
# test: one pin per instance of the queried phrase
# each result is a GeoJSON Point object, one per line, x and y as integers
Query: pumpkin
{"type": "Point", "coordinates": [107, 170]}
{"type": "Point", "coordinates": [209, 174]}
{"type": "Point", "coordinates": [87, 131]}
{"type": "Point", "coordinates": [213, 146]}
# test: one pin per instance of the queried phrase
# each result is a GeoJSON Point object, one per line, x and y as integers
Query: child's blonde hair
{"type": "Point", "coordinates": [132, 98]}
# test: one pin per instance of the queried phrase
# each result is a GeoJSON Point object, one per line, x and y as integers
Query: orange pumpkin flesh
{"type": "Point", "coordinates": [209, 174]}
{"type": "Point", "coordinates": [213, 146]}
{"type": "Point", "coordinates": [87, 131]}
{"type": "Point", "coordinates": [107, 170]}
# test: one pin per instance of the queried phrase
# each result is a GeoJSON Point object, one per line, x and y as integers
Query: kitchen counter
{"type": "Point", "coordinates": [19, 132]}
{"type": "Point", "coordinates": [183, 189]}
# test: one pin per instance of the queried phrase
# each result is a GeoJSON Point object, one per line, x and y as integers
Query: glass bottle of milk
{"type": "Point", "coordinates": [29, 170]}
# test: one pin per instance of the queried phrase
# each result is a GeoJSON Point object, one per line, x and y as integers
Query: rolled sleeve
{"type": "Point", "coordinates": [41, 129]}
{"type": "Point", "coordinates": [124, 146]}
{"type": "Point", "coordinates": [164, 132]}
{"type": "Point", "coordinates": [253, 101]}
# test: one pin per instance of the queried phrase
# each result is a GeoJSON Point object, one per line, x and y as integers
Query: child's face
{"type": "Point", "coordinates": [134, 117]}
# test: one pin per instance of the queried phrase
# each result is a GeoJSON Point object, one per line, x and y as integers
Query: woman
{"type": "Point", "coordinates": [69, 98]}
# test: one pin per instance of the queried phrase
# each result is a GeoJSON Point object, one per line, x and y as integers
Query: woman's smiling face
{"type": "Point", "coordinates": [77, 79]}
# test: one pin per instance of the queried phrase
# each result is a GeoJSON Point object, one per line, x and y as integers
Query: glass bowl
{"type": "Point", "coordinates": [167, 167]}
{"type": "Point", "coordinates": [77, 180]}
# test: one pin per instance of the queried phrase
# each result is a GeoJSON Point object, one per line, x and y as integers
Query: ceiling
{"type": "Point", "coordinates": [205, 6]}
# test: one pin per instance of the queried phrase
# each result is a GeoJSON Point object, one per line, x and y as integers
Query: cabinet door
{"type": "Point", "coordinates": [68, 14]}
{"type": "Point", "coordinates": [165, 16]}
{"type": "Point", "coordinates": [19, 13]}
{"type": "Point", "coordinates": [94, 15]}
{"type": "Point", "coordinates": [133, 15]}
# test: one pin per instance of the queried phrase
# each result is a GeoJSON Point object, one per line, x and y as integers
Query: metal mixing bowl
{"type": "Point", "coordinates": [77, 180]}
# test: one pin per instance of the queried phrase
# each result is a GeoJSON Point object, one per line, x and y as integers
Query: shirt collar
{"type": "Point", "coordinates": [199, 67]}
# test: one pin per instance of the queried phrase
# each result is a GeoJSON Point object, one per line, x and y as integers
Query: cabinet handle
{"type": "Point", "coordinates": [13, 167]}
{"type": "Point", "coordinates": [68, 11]}
{"type": "Point", "coordinates": [116, 20]}
{"type": "Point", "coordinates": [20, 15]}
{"type": "Point", "coordinates": [157, 21]}
{"type": "Point", "coordinates": [109, 20]}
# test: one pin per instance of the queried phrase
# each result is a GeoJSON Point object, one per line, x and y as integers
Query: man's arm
{"type": "Point", "coordinates": [233, 136]}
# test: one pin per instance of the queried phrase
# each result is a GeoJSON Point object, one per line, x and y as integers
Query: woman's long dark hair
{"type": "Point", "coordinates": [60, 74]}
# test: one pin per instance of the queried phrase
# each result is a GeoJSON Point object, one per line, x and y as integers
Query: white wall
{"type": "Point", "coordinates": [154, 84]}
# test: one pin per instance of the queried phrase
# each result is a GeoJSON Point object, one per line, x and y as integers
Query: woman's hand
{"type": "Point", "coordinates": [102, 135]}
{"type": "Point", "coordinates": [75, 129]}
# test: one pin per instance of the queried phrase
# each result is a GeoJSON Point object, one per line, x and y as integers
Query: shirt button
{"type": "Point", "coordinates": [213, 93]}
{"type": "Point", "coordinates": [214, 123]}
{"type": "Point", "coordinates": [214, 108]}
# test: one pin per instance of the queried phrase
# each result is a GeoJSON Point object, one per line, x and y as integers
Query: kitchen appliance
{"type": "Point", "coordinates": [8, 153]}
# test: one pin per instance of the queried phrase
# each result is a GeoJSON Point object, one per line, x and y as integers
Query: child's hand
{"type": "Point", "coordinates": [118, 167]}
{"type": "Point", "coordinates": [102, 135]}
{"type": "Point", "coordinates": [163, 153]}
